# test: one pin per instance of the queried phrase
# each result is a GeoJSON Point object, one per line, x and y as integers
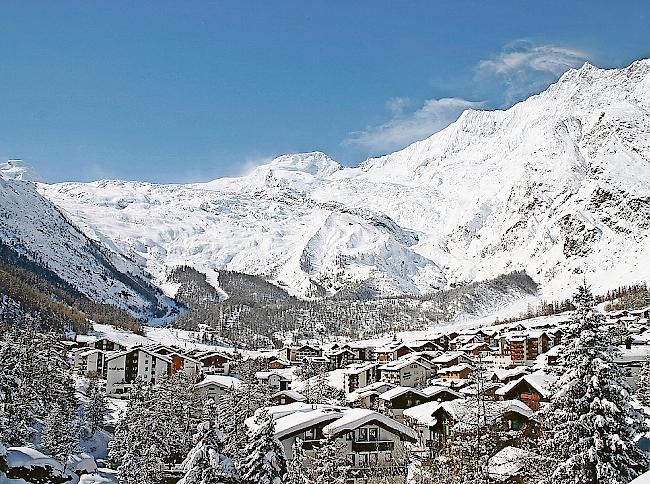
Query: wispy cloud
{"type": "Point", "coordinates": [526, 67]}
{"type": "Point", "coordinates": [406, 127]}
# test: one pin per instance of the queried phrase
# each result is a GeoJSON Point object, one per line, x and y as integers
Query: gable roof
{"type": "Point", "coordinates": [398, 391]}
{"type": "Point", "coordinates": [354, 418]}
{"type": "Point", "coordinates": [540, 381]}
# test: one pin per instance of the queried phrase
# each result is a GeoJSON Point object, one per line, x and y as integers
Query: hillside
{"type": "Point", "coordinates": [35, 229]}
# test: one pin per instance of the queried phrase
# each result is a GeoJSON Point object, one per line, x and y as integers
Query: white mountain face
{"type": "Point", "coordinates": [558, 185]}
{"type": "Point", "coordinates": [19, 170]}
{"type": "Point", "coordinates": [34, 227]}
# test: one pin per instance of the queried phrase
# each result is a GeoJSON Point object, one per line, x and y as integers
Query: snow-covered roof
{"type": "Point", "coordinates": [355, 417]}
{"type": "Point", "coordinates": [539, 380]}
{"type": "Point", "coordinates": [28, 458]}
{"type": "Point", "coordinates": [89, 352]}
{"type": "Point", "coordinates": [117, 354]}
{"type": "Point", "coordinates": [221, 381]}
{"type": "Point", "coordinates": [455, 369]}
{"type": "Point", "coordinates": [298, 397]}
{"type": "Point", "coordinates": [463, 411]}
{"type": "Point", "coordinates": [447, 357]}
{"type": "Point", "coordinates": [282, 373]}
{"type": "Point", "coordinates": [397, 391]}
{"type": "Point", "coordinates": [508, 462]}
{"type": "Point", "coordinates": [433, 390]}
{"type": "Point", "coordinates": [357, 368]}
{"type": "Point", "coordinates": [423, 413]}
{"type": "Point", "coordinates": [403, 363]}
{"type": "Point", "coordinates": [372, 389]}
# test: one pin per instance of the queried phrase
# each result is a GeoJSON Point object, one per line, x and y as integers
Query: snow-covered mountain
{"type": "Point", "coordinates": [558, 185]}
{"type": "Point", "coordinates": [35, 228]}
{"type": "Point", "coordinates": [19, 170]}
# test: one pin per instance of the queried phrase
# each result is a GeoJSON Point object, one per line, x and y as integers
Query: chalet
{"type": "Point", "coordinates": [455, 372]}
{"type": "Point", "coordinates": [214, 363]}
{"type": "Point", "coordinates": [368, 396]}
{"type": "Point", "coordinates": [425, 345]}
{"type": "Point", "coordinates": [278, 364]}
{"type": "Point", "coordinates": [103, 343]}
{"type": "Point", "coordinates": [530, 389]}
{"type": "Point", "coordinates": [474, 349]}
{"type": "Point", "coordinates": [396, 400]}
{"type": "Point", "coordinates": [391, 352]}
{"type": "Point", "coordinates": [359, 375]}
{"type": "Point", "coordinates": [368, 440]}
{"type": "Point", "coordinates": [507, 375]}
{"type": "Point", "coordinates": [362, 350]}
{"type": "Point", "coordinates": [341, 357]}
{"type": "Point", "coordinates": [406, 372]}
{"type": "Point", "coordinates": [276, 379]}
{"type": "Point", "coordinates": [435, 422]}
{"type": "Point", "coordinates": [296, 354]}
{"type": "Point", "coordinates": [441, 339]}
{"type": "Point", "coordinates": [451, 358]}
{"type": "Point", "coordinates": [436, 393]}
{"type": "Point", "coordinates": [462, 340]}
{"type": "Point", "coordinates": [215, 386]}
{"type": "Point", "coordinates": [285, 397]}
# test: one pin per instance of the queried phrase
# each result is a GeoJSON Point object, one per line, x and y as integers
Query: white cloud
{"type": "Point", "coordinates": [405, 128]}
{"type": "Point", "coordinates": [397, 105]}
{"type": "Point", "coordinates": [526, 68]}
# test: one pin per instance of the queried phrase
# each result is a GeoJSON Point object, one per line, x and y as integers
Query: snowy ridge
{"type": "Point", "coordinates": [34, 227]}
{"type": "Point", "coordinates": [558, 186]}
{"type": "Point", "coordinates": [19, 170]}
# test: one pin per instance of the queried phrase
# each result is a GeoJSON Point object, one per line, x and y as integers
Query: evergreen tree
{"type": "Point", "coordinates": [643, 392]}
{"type": "Point", "coordinates": [265, 462]}
{"type": "Point", "coordinates": [591, 424]}
{"type": "Point", "coordinates": [206, 462]}
{"type": "Point", "coordinates": [327, 465]}
{"type": "Point", "coordinates": [296, 472]}
{"type": "Point", "coordinates": [60, 437]}
{"type": "Point", "coordinates": [96, 407]}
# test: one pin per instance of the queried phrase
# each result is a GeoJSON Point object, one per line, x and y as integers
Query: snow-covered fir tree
{"type": "Point", "coordinates": [590, 424]}
{"type": "Point", "coordinates": [134, 447]}
{"type": "Point", "coordinates": [643, 391]}
{"type": "Point", "coordinates": [327, 465]}
{"type": "Point", "coordinates": [60, 436]}
{"type": "Point", "coordinates": [296, 472]}
{"type": "Point", "coordinates": [235, 407]}
{"type": "Point", "coordinates": [96, 406]}
{"type": "Point", "coordinates": [265, 462]}
{"type": "Point", "coordinates": [206, 463]}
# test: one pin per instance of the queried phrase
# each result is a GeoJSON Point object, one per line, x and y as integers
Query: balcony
{"type": "Point", "coordinates": [373, 446]}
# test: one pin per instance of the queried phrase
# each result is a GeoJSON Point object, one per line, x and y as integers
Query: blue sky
{"type": "Point", "coordinates": [187, 91]}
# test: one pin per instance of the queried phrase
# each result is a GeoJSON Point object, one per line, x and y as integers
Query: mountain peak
{"type": "Point", "coordinates": [19, 170]}
{"type": "Point", "coordinates": [316, 163]}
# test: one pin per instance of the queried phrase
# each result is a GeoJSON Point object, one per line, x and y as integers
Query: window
{"type": "Point", "coordinates": [363, 460]}
{"type": "Point", "coordinates": [349, 459]}
{"type": "Point", "coordinates": [515, 424]}
{"type": "Point", "coordinates": [388, 456]}
{"type": "Point", "coordinates": [310, 434]}
{"type": "Point", "coordinates": [349, 436]}
{"type": "Point", "coordinates": [363, 435]}
{"type": "Point", "coordinates": [373, 434]}
{"type": "Point", "coordinates": [373, 458]}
